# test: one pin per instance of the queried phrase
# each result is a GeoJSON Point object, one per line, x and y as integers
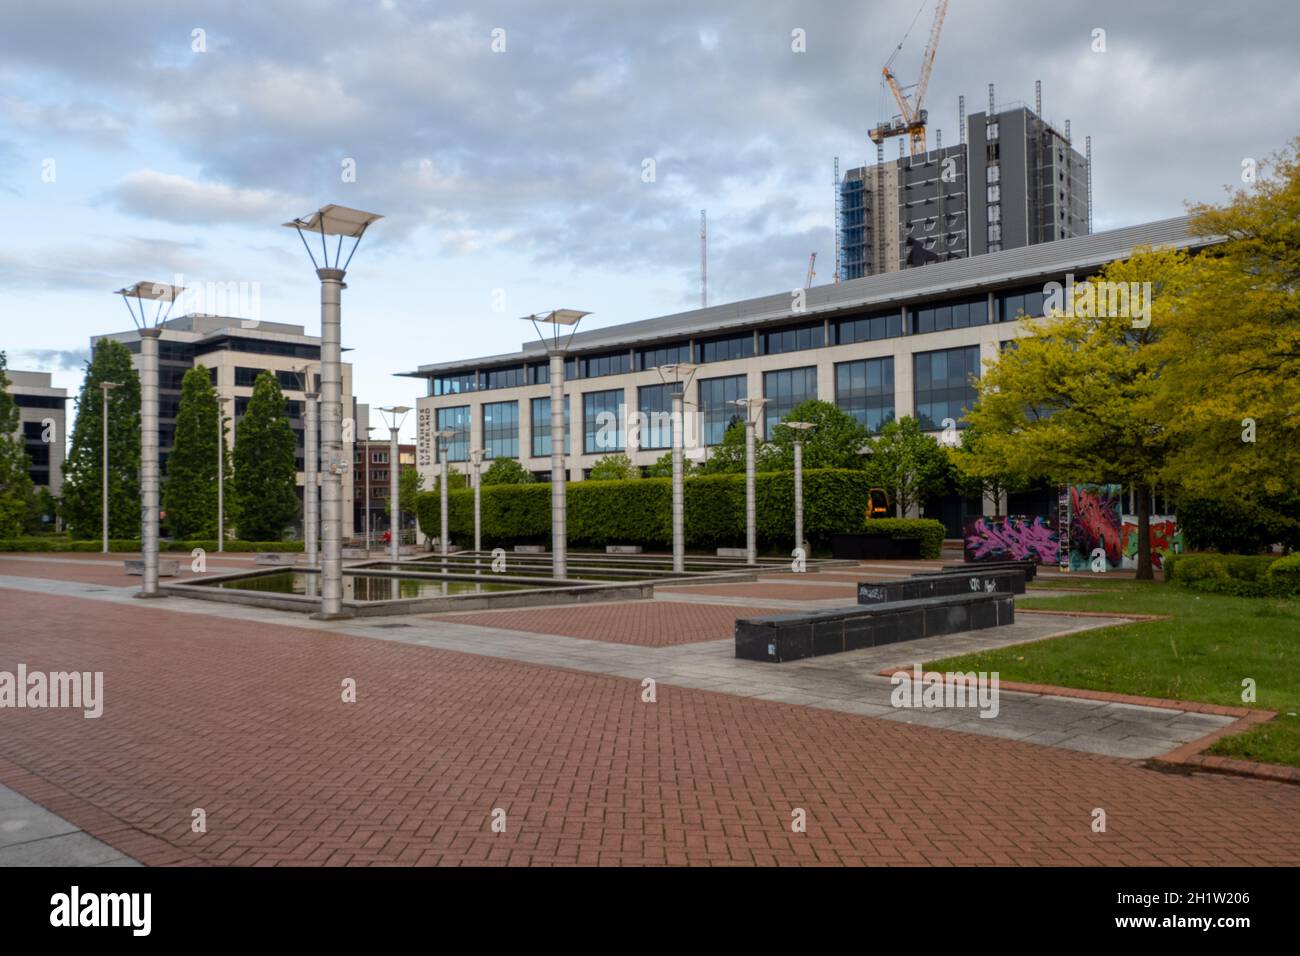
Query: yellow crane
{"type": "Point", "coordinates": [912, 115]}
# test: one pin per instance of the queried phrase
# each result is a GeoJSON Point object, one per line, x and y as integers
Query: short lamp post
{"type": "Point", "coordinates": [394, 415]}
{"type": "Point", "coordinates": [800, 428]}
{"type": "Point", "coordinates": [753, 413]}
{"type": "Point", "coordinates": [678, 376]}
{"type": "Point", "coordinates": [342, 222]}
{"type": "Point", "coordinates": [558, 319]}
{"type": "Point", "coordinates": [221, 472]}
{"type": "Point", "coordinates": [105, 388]}
{"type": "Point", "coordinates": [442, 437]}
{"type": "Point", "coordinates": [150, 330]}
{"type": "Point", "coordinates": [476, 459]}
{"type": "Point", "coordinates": [311, 468]}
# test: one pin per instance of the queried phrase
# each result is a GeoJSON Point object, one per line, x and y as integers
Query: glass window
{"type": "Point", "coordinates": [865, 389]}
{"type": "Point", "coordinates": [954, 315]}
{"type": "Point", "coordinates": [454, 384]}
{"type": "Point", "coordinates": [795, 339]}
{"type": "Point", "coordinates": [945, 385]}
{"type": "Point", "coordinates": [721, 350]}
{"type": "Point", "coordinates": [501, 429]}
{"type": "Point", "coordinates": [542, 427]}
{"type": "Point", "coordinates": [784, 390]}
{"type": "Point", "coordinates": [678, 354]}
{"type": "Point", "coordinates": [716, 408]}
{"type": "Point", "coordinates": [540, 373]}
{"type": "Point", "coordinates": [603, 422]}
{"type": "Point", "coordinates": [886, 325]}
{"type": "Point", "coordinates": [656, 408]}
{"type": "Point", "coordinates": [503, 377]}
{"type": "Point", "coordinates": [612, 363]}
{"type": "Point", "coordinates": [1012, 305]}
{"type": "Point", "coordinates": [456, 419]}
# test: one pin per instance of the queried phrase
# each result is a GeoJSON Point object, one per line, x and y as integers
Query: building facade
{"type": "Point", "coordinates": [908, 343]}
{"type": "Point", "coordinates": [372, 472]}
{"type": "Point", "coordinates": [42, 412]}
{"type": "Point", "coordinates": [235, 351]}
{"type": "Point", "coordinates": [1015, 181]}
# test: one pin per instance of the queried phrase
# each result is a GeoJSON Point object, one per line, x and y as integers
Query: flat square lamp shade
{"type": "Point", "coordinates": [335, 220]}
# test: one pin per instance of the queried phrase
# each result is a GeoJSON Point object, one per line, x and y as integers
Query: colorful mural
{"type": "Point", "coordinates": [1165, 536]}
{"type": "Point", "coordinates": [1095, 523]}
{"type": "Point", "coordinates": [1017, 538]}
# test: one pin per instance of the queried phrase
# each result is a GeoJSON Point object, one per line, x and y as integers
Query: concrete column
{"type": "Point", "coordinates": [442, 505]}
{"type": "Point", "coordinates": [751, 510]}
{"type": "Point", "coordinates": [311, 479]}
{"type": "Point", "coordinates": [798, 495]}
{"type": "Point", "coordinates": [394, 497]}
{"type": "Point", "coordinates": [149, 460]}
{"type": "Point", "coordinates": [478, 507]}
{"type": "Point", "coordinates": [331, 416]}
{"type": "Point", "coordinates": [679, 497]}
{"type": "Point", "coordinates": [221, 476]}
{"type": "Point", "coordinates": [559, 500]}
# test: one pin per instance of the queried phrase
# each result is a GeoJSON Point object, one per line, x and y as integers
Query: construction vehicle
{"type": "Point", "coordinates": [912, 115]}
{"type": "Point", "coordinates": [878, 504]}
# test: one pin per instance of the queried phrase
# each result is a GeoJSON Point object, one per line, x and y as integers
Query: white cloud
{"type": "Point", "coordinates": [173, 198]}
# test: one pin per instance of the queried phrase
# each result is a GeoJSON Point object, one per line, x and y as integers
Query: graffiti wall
{"type": "Point", "coordinates": [1015, 538]}
{"type": "Point", "coordinates": [1095, 523]}
{"type": "Point", "coordinates": [1165, 536]}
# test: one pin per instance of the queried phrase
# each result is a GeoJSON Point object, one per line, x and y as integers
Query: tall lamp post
{"type": "Point", "coordinates": [679, 376]}
{"type": "Point", "coordinates": [558, 319]}
{"type": "Point", "coordinates": [221, 472]}
{"type": "Point", "coordinates": [342, 222]}
{"type": "Point", "coordinates": [753, 412]}
{"type": "Point", "coordinates": [150, 330]}
{"type": "Point", "coordinates": [441, 438]}
{"type": "Point", "coordinates": [365, 461]}
{"type": "Point", "coordinates": [105, 388]}
{"type": "Point", "coordinates": [311, 468]}
{"type": "Point", "coordinates": [394, 415]}
{"type": "Point", "coordinates": [476, 459]}
{"type": "Point", "coordinates": [800, 428]}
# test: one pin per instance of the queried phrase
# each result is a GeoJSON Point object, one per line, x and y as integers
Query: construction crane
{"type": "Point", "coordinates": [812, 260]}
{"type": "Point", "coordinates": [912, 115]}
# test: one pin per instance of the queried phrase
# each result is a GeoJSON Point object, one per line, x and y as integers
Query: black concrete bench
{"type": "Point", "coordinates": [1029, 567]}
{"type": "Point", "coordinates": [941, 585]}
{"type": "Point", "coordinates": [789, 637]}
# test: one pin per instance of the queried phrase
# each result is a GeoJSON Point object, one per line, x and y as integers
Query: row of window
{"type": "Point", "coordinates": [943, 389]}
{"type": "Point", "coordinates": [1007, 307]}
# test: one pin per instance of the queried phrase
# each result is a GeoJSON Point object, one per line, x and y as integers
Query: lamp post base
{"type": "Point", "coordinates": [148, 594]}
{"type": "Point", "coordinates": [332, 616]}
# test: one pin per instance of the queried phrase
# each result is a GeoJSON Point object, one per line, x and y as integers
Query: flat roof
{"type": "Point", "coordinates": [891, 288]}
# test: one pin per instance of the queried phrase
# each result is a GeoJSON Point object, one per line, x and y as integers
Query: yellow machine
{"type": "Point", "coordinates": [878, 504]}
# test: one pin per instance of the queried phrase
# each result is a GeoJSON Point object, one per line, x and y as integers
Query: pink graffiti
{"type": "Point", "coordinates": [1014, 539]}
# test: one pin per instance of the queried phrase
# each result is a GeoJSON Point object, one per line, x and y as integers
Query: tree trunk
{"type": "Point", "coordinates": [1144, 569]}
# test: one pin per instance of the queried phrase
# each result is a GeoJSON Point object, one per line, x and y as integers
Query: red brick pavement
{"type": "Point", "coordinates": [247, 723]}
{"type": "Point", "coordinates": [108, 570]}
{"type": "Point", "coordinates": [645, 623]}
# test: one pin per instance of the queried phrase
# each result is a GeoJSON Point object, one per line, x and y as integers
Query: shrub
{"type": "Point", "coordinates": [506, 471]}
{"type": "Point", "coordinates": [1231, 527]}
{"type": "Point", "coordinates": [1283, 576]}
{"type": "Point", "coordinates": [640, 511]}
{"type": "Point", "coordinates": [616, 467]}
{"type": "Point", "coordinates": [930, 532]}
{"type": "Point", "coordinates": [127, 545]}
{"type": "Point", "coordinates": [1239, 574]}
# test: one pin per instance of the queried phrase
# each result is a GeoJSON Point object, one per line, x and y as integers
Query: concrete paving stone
{"type": "Point", "coordinates": [23, 824]}
{"type": "Point", "coordinates": [69, 849]}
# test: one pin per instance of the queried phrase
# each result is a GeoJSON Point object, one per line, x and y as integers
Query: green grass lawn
{"type": "Point", "coordinates": [1209, 645]}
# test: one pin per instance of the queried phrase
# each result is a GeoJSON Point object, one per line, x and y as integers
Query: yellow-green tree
{"type": "Point", "coordinates": [1080, 398]}
{"type": "Point", "coordinates": [1232, 348]}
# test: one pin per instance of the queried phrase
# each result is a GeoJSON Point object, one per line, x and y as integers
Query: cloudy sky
{"type": "Point", "coordinates": [506, 143]}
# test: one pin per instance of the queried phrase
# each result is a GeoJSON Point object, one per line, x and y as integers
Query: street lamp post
{"type": "Point", "coordinates": [311, 469]}
{"type": "Point", "coordinates": [753, 410]}
{"type": "Point", "coordinates": [557, 318]}
{"type": "Point", "coordinates": [800, 428]}
{"type": "Point", "coordinates": [331, 221]}
{"type": "Point", "coordinates": [679, 376]}
{"type": "Point", "coordinates": [441, 438]}
{"type": "Point", "coordinates": [221, 472]}
{"type": "Point", "coordinates": [394, 415]}
{"type": "Point", "coordinates": [105, 388]}
{"type": "Point", "coordinates": [476, 459]}
{"type": "Point", "coordinates": [150, 330]}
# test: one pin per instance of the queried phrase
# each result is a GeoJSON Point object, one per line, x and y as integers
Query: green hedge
{"type": "Point", "coordinates": [640, 512]}
{"type": "Point", "coordinates": [1245, 575]}
{"type": "Point", "coordinates": [128, 545]}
